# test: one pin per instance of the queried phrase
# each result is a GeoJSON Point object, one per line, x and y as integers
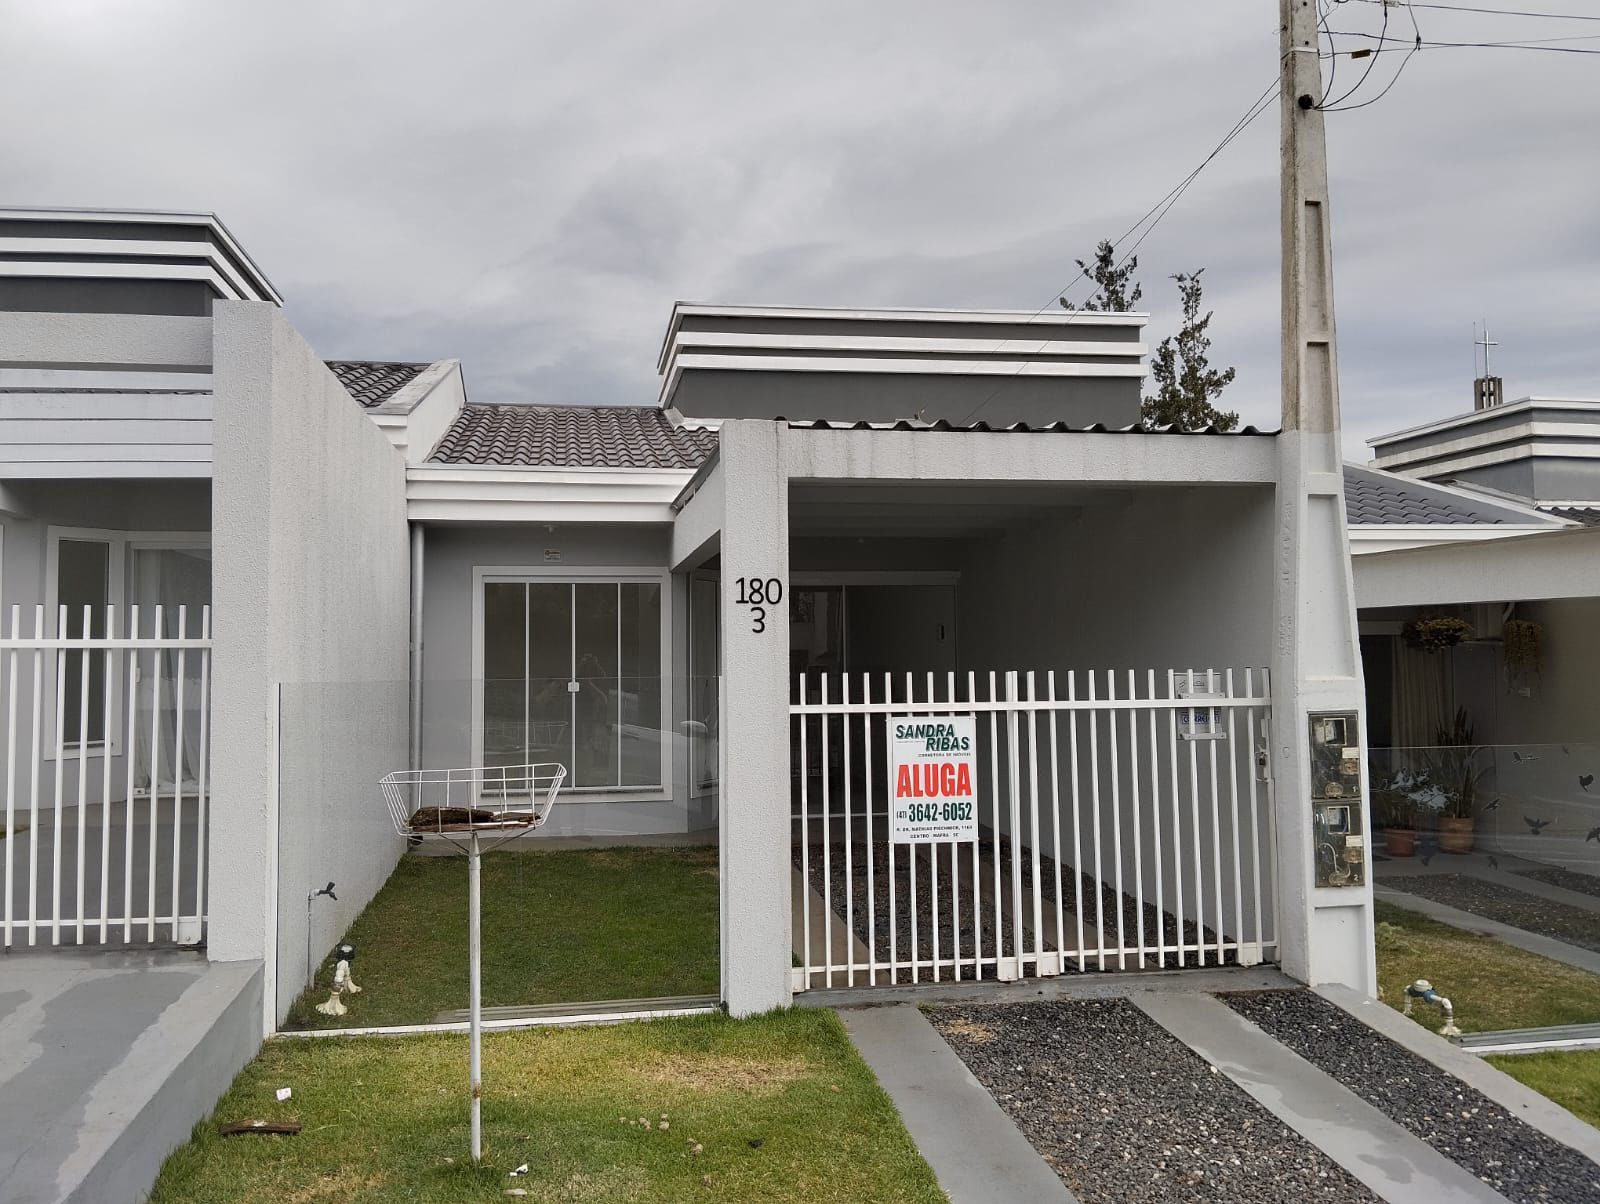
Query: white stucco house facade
{"type": "Point", "coordinates": [710, 608]}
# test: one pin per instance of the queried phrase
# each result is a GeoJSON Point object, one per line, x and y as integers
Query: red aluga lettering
{"type": "Point", "coordinates": [902, 782]}
{"type": "Point", "coordinates": [930, 782]}
{"type": "Point", "coordinates": [963, 781]}
{"type": "Point", "coordinates": [947, 779]}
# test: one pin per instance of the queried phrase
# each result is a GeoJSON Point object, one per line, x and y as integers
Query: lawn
{"type": "Point", "coordinates": [1491, 985]}
{"type": "Point", "coordinates": [781, 1107]}
{"type": "Point", "coordinates": [559, 926]}
{"type": "Point", "coordinates": [1571, 1079]}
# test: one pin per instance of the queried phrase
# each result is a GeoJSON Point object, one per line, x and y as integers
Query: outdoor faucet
{"type": "Point", "coordinates": [1423, 989]}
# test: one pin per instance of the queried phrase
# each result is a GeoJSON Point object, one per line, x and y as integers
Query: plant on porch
{"type": "Point", "coordinates": [1433, 632]}
{"type": "Point", "coordinates": [1446, 784]}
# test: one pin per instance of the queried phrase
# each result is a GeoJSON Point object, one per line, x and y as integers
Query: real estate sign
{"type": "Point", "coordinates": [933, 765]}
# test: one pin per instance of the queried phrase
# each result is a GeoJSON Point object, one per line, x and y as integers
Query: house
{"type": "Point", "coordinates": [1134, 651]}
{"type": "Point", "coordinates": [1491, 517]}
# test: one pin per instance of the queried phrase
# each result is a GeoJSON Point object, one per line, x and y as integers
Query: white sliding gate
{"type": "Point", "coordinates": [104, 777]}
{"type": "Point", "coordinates": [1125, 823]}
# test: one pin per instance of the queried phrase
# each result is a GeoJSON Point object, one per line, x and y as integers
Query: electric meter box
{"type": "Point", "coordinates": [1339, 836]}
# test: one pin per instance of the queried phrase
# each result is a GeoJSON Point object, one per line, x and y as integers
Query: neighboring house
{"type": "Point", "coordinates": [707, 609]}
{"type": "Point", "coordinates": [1489, 517]}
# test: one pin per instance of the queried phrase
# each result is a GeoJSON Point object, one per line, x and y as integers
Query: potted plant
{"type": "Point", "coordinates": [1456, 766]}
{"type": "Point", "coordinates": [1394, 806]}
{"type": "Point", "coordinates": [1433, 632]}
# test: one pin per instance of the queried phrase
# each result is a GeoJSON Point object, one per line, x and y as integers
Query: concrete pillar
{"type": "Point", "coordinates": [754, 811]}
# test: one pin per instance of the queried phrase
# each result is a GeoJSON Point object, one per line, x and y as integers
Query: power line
{"type": "Point", "coordinates": [1152, 216]}
{"type": "Point", "coordinates": [1529, 44]}
{"type": "Point", "coordinates": [1498, 12]}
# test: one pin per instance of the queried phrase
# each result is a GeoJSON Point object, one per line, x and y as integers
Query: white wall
{"type": "Point", "coordinates": [311, 563]}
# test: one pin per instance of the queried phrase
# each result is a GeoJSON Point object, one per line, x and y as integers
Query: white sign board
{"type": "Point", "coordinates": [933, 768]}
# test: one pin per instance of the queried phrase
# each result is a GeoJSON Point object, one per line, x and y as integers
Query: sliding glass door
{"type": "Point", "coordinates": [572, 673]}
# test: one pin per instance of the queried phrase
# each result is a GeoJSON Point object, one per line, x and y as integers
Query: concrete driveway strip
{"type": "Point", "coordinates": [1388, 1160]}
{"type": "Point", "coordinates": [972, 1146]}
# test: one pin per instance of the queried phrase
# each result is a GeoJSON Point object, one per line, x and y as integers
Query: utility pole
{"type": "Point", "coordinates": [1324, 933]}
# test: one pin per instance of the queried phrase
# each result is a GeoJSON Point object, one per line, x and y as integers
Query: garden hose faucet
{"type": "Point", "coordinates": [1423, 989]}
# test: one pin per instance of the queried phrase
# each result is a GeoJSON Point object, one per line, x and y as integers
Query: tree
{"type": "Point", "coordinates": [1112, 292]}
{"type": "Point", "coordinates": [1186, 384]}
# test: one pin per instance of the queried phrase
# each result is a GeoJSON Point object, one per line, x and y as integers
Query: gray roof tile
{"type": "Point", "coordinates": [1589, 516]}
{"type": "Point", "coordinates": [372, 382]}
{"type": "Point", "coordinates": [1376, 498]}
{"type": "Point", "coordinates": [572, 437]}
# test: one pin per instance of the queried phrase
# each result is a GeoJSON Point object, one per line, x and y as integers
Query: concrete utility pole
{"type": "Point", "coordinates": [1325, 934]}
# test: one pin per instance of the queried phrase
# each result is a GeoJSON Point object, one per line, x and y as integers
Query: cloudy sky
{"type": "Point", "coordinates": [530, 186]}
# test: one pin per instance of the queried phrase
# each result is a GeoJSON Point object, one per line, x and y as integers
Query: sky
{"type": "Point", "coordinates": [529, 187]}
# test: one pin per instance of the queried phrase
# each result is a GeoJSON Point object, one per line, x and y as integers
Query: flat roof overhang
{"type": "Point", "coordinates": [1521, 568]}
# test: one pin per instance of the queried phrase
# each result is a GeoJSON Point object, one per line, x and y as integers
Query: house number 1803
{"type": "Point", "coordinates": [758, 593]}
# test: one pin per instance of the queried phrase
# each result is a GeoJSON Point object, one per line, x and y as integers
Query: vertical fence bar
{"type": "Point", "coordinates": [977, 867]}
{"type": "Point", "coordinates": [130, 665]}
{"type": "Point", "coordinates": [849, 848]}
{"type": "Point", "coordinates": [1255, 818]}
{"type": "Point", "coordinates": [1116, 817]}
{"type": "Point", "coordinates": [1138, 808]}
{"type": "Point", "coordinates": [872, 897]}
{"type": "Point", "coordinates": [1194, 815]}
{"type": "Point", "coordinates": [33, 778]}
{"type": "Point", "coordinates": [805, 839]}
{"type": "Point", "coordinates": [60, 772]}
{"type": "Point", "coordinates": [155, 773]}
{"type": "Point", "coordinates": [1014, 812]}
{"type": "Point", "coordinates": [1055, 819]}
{"type": "Point", "coordinates": [83, 768]}
{"type": "Point", "coordinates": [894, 885]}
{"type": "Point", "coordinates": [1077, 831]}
{"type": "Point", "coordinates": [177, 768]}
{"type": "Point", "coordinates": [933, 875]}
{"type": "Point", "coordinates": [827, 842]}
{"type": "Point", "coordinates": [1216, 813]}
{"type": "Point", "coordinates": [11, 764]}
{"type": "Point", "coordinates": [911, 860]}
{"type": "Point", "coordinates": [1233, 809]}
{"type": "Point", "coordinates": [1155, 825]}
{"type": "Point", "coordinates": [1272, 805]}
{"type": "Point", "coordinates": [994, 842]}
{"type": "Point", "coordinates": [1177, 827]}
{"type": "Point", "coordinates": [107, 695]}
{"type": "Point", "coordinates": [1099, 824]}
{"type": "Point", "coordinates": [950, 693]}
{"type": "Point", "coordinates": [1033, 825]}
{"type": "Point", "coordinates": [202, 777]}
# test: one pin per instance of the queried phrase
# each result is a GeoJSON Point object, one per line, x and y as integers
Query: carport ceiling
{"type": "Point", "coordinates": [945, 510]}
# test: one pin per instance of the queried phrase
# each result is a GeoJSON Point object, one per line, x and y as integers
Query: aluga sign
{"type": "Point", "coordinates": [932, 767]}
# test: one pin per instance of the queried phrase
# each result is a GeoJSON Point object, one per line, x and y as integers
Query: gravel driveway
{"type": "Point", "coordinates": [1518, 1161]}
{"type": "Point", "coordinates": [1492, 901]}
{"type": "Point", "coordinates": [1586, 884]}
{"type": "Point", "coordinates": [1126, 1114]}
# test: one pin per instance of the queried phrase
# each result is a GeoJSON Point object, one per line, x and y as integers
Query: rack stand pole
{"type": "Point", "coordinates": [474, 996]}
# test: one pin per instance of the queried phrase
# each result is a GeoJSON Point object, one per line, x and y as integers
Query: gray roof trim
{"type": "Point", "coordinates": [1018, 428]}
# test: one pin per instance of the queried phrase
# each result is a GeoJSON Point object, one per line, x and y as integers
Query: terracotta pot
{"type": "Point", "coordinates": [1455, 835]}
{"type": "Point", "coordinates": [1400, 842]}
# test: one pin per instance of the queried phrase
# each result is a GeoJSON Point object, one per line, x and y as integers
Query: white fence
{"type": "Point", "coordinates": [1125, 823]}
{"type": "Point", "coordinates": [104, 777]}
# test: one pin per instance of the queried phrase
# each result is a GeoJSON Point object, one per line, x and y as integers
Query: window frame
{"type": "Point", "coordinates": [116, 596]}
{"type": "Point", "coordinates": [589, 575]}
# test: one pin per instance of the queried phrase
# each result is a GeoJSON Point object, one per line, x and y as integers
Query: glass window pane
{"type": "Point", "coordinates": [549, 671]}
{"type": "Point", "coordinates": [505, 677]}
{"type": "Point", "coordinates": [640, 672]}
{"type": "Point", "coordinates": [595, 649]}
{"type": "Point", "coordinates": [83, 578]}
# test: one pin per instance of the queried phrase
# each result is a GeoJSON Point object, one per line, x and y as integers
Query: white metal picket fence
{"type": "Point", "coordinates": [1125, 823]}
{"type": "Point", "coordinates": [107, 729]}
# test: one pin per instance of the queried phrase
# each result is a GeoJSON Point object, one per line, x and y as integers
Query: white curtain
{"type": "Point", "coordinates": [170, 578]}
{"type": "Point", "coordinates": [1424, 688]}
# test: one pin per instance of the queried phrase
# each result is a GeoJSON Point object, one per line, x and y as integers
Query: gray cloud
{"type": "Point", "coordinates": [529, 187]}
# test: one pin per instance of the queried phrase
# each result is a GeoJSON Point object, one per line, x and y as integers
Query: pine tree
{"type": "Point", "coordinates": [1112, 292]}
{"type": "Point", "coordinates": [1185, 382]}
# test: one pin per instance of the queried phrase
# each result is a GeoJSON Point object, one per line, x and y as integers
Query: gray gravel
{"type": "Point", "coordinates": [1517, 1160]}
{"type": "Point", "coordinates": [1492, 901]}
{"type": "Point", "coordinates": [1586, 884]}
{"type": "Point", "coordinates": [1126, 1114]}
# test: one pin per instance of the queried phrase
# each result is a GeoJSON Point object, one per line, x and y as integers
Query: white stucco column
{"type": "Point", "coordinates": [754, 812]}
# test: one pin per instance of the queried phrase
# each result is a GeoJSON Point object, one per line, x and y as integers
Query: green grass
{"type": "Point", "coordinates": [559, 926]}
{"type": "Point", "coordinates": [385, 1119]}
{"type": "Point", "coordinates": [1571, 1079]}
{"type": "Point", "coordinates": [1491, 985]}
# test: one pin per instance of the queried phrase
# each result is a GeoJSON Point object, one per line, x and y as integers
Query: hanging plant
{"type": "Point", "coordinates": [1433, 632]}
{"type": "Point", "coordinates": [1524, 645]}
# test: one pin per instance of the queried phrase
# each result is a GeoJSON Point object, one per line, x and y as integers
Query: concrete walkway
{"type": "Point", "coordinates": [972, 1146]}
{"type": "Point", "coordinates": [106, 1062]}
{"type": "Point", "coordinates": [1391, 1162]}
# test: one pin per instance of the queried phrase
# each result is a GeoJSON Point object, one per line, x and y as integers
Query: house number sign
{"type": "Point", "coordinates": [758, 593]}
